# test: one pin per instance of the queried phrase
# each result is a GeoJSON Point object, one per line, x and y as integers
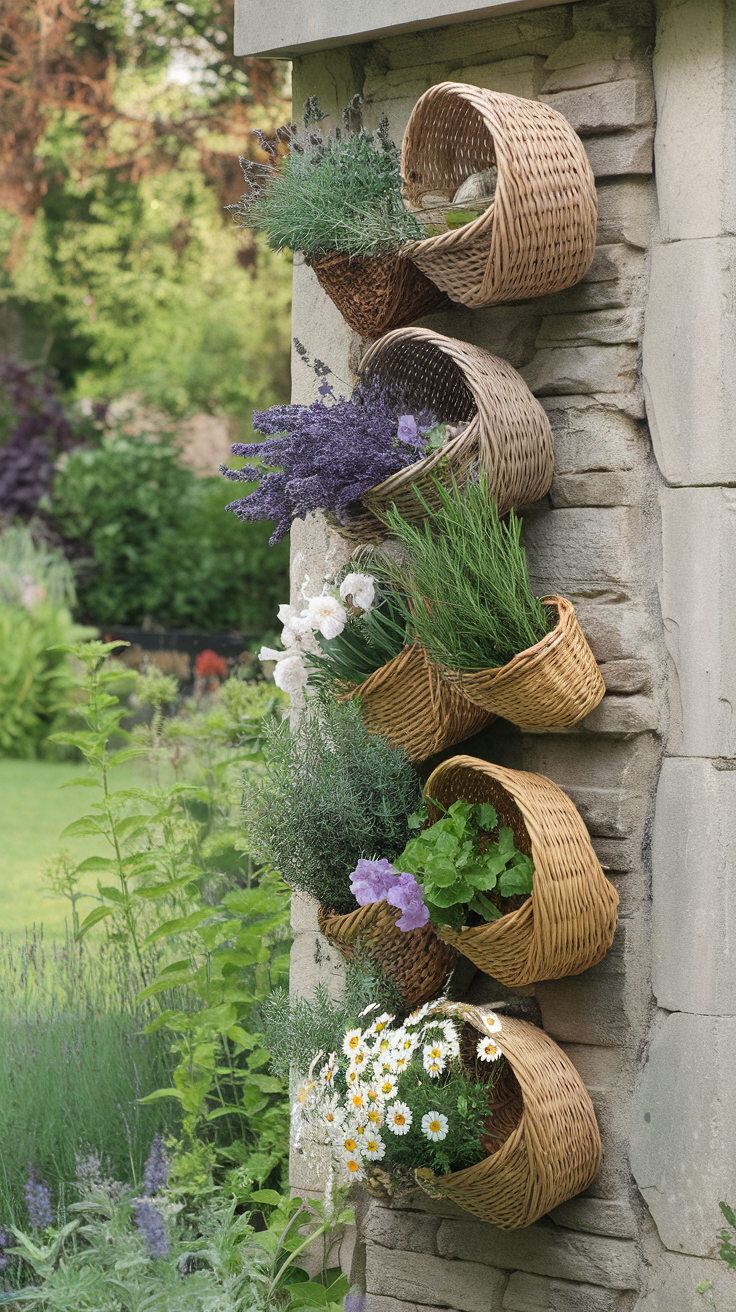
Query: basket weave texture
{"type": "Point", "coordinates": [378, 294]}
{"type": "Point", "coordinates": [507, 434]}
{"type": "Point", "coordinates": [538, 235]}
{"type": "Point", "coordinates": [568, 921]}
{"type": "Point", "coordinates": [409, 703]}
{"type": "Point", "coordinates": [551, 685]}
{"type": "Point", "coordinates": [551, 1144]}
{"type": "Point", "coordinates": [417, 961]}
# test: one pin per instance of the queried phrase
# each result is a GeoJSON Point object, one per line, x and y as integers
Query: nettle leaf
{"type": "Point", "coordinates": [487, 816]}
{"type": "Point", "coordinates": [449, 897]}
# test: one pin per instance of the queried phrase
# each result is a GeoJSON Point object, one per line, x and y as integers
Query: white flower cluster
{"type": "Point", "coordinates": [324, 614]}
{"type": "Point", "coordinates": [353, 1100]}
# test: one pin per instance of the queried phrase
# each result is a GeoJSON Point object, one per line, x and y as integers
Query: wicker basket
{"type": "Point", "coordinates": [416, 960]}
{"type": "Point", "coordinates": [567, 923]}
{"type": "Point", "coordinates": [376, 295]}
{"type": "Point", "coordinates": [543, 1139]}
{"type": "Point", "coordinates": [538, 235]}
{"type": "Point", "coordinates": [551, 685]}
{"type": "Point", "coordinates": [507, 434]}
{"type": "Point", "coordinates": [408, 702]}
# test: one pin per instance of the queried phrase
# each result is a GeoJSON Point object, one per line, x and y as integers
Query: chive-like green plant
{"type": "Point", "coordinates": [334, 191]}
{"type": "Point", "coordinates": [368, 641]}
{"type": "Point", "coordinates": [464, 587]}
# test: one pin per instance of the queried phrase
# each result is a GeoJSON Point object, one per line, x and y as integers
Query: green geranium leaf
{"type": "Point", "coordinates": [487, 816]}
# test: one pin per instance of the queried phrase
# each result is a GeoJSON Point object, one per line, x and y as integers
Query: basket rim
{"type": "Point", "coordinates": [565, 614]}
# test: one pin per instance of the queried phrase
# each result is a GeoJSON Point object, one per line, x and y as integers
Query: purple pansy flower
{"type": "Point", "coordinates": [408, 431]}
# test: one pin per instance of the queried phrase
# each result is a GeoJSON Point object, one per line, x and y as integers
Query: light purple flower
{"type": "Point", "coordinates": [406, 894]}
{"type": "Point", "coordinates": [371, 880]}
{"type": "Point", "coordinates": [156, 1174]}
{"type": "Point", "coordinates": [151, 1225]}
{"type": "Point", "coordinates": [38, 1201]}
{"type": "Point", "coordinates": [408, 431]}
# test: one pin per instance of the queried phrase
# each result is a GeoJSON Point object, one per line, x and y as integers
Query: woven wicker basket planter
{"type": "Point", "coordinates": [409, 703]}
{"type": "Point", "coordinates": [417, 961]}
{"type": "Point", "coordinates": [538, 235]}
{"type": "Point", "coordinates": [376, 295]}
{"type": "Point", "coordinates": [568, 921]}
{"type": "Point", "coordinates": [543, 1139]}
{"type": "Point", "coordinates": [507, 434]}
{"type": "Point", "coordinates": [551, 685]}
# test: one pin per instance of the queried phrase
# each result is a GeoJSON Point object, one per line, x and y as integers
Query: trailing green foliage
{"type": "Point", "coordinates": [458, 864]}
{"type": "Point", "coordinates": [160, 542]}
{"type": "Point", "coordinates": [338, 191]}
{"type": "Point", "coordinates": [331, 794]}
{"type": "Point", "coordinates": [295, 1028]}
{"type": "Point", "coordinates": [465, 587]}
{"type": "Point", "coordinates": [131, 1251]}
{"type": "Point", "coordinates": [368, 641]}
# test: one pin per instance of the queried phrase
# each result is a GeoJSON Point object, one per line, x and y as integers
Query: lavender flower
{"type": "Point", "coordinates": [374, 881]}
{"type": "Point", "coordinates": [38, 1201]}
{"type": "Point", "coordinates": [89, 1171]}
{"type": "Point", "coordinates": [321, 457]}
{"type": "Point", "coordinates": [5, 1242]}
{"type": "Point", "coordinates": [151, 1225]}
{"type": "Point", "coordinates": [156, 1174]}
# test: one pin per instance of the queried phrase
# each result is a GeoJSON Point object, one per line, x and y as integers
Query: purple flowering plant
{"type": "Point", "coordinates": [38, 1201]}
{"type": "Point", "coordinates": [376, 881]}
{"type": "Point", "coordinates": [327, 455]}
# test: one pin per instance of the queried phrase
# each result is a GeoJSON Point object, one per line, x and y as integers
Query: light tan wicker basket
{"type": "Point", "coordinates": [551, 685]}
{"type": "Point", "coordinates": [538, 235]}
{"type": "Point", "coordinates": [378, 294]}
{"type": "Point", "coordinates": [408, 702]}
{"type": "Point", "coordinates": [568, 922]}
{"type": "Point", "coordinates": [507, 434]}
{"type": "Point", "coordinates": [544, 1141]}
{"type": "Point", "coordinates": [416, 960]}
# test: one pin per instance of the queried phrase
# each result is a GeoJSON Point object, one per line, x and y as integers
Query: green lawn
{"type": "Point", "coordinates": [34, 809]}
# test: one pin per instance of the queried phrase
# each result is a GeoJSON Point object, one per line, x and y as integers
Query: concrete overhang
{"type": "Point", "coordinates": [284, 28]}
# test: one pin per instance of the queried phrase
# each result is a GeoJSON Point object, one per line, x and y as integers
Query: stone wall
{"type": "Point", "coordinates": [629, 530]}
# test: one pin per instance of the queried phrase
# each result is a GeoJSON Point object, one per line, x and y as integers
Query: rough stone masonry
{"type": "Point", "coordinates": [635, 367]}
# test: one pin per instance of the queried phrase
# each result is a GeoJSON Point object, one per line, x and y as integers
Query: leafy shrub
{"type": "Point", "coordinates": [160, 543]}
{"type": "Point", "coordinates": [331, 794]}
{"type": "Point", "coordinates": [464, 587]}
{"type": "Point", "coordinates": [338, 191]}
{"type": "Point", "coordinates": [36, 681]}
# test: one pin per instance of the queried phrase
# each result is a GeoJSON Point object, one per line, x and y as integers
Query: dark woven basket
{"type": "Point", "coordinates": [378, 294]}
{"type": "Point", "coordinates": [417, 961]}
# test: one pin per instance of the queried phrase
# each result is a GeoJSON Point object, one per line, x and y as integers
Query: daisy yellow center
{"type": "Point", "coordinates": [372, 1145]}
{"type": "Point", "coordinates": [353, 1166]}
{"type": "Point", "coordinates": [374, 1117]}
{"type": "Point", "coordinates": [386, 1087]}
{"type": "Point", "coordinates": [435, 1127]}
{"type": "Point", "coordinates": [399, 1119]}
{"type": "Point", "coordinates": [351, 1145]}
{"type": "Point", "coordinates": [353, 1043]}
{"type": "Point", "coordinates": [357, 1100]}
{"type": "Point", "coordinates": [329, 1116]}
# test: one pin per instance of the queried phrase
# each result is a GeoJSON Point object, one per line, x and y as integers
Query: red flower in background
{"type": "Point", "coordinates": [209, 665]}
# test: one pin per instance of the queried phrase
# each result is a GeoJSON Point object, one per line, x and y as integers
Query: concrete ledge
{"type": "Point", "coordinates": [294, 27]}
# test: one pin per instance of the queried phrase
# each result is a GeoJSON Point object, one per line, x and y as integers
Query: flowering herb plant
{"type": "Point", "coordinates": [327, 455]}
{"type": "Point", "coordinates": [373, 634]}
{"type": "Point", "coordinates": [400, 1098]}
{"type": "Point", "coordinates": [334, 191]}
{"type": "Point", "coordinates": [468, 866]}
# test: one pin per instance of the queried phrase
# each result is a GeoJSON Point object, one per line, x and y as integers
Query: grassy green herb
{"type": "Point", "coordinates": [465, 590]}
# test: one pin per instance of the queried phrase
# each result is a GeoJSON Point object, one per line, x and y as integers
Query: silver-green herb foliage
{"type": "Point", "coordinates": [334, 191]}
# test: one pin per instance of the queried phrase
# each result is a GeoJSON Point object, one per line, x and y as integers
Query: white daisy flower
{"type": "Point", "coordinates": [349, 1142]}
{"type": "Point", "coordinates": [434, 1126]}
{"type": "Point", "coordinates": [379, 1025]}
{"type": "Point", "coordinates": [493, 1023]}
{"type": "Point", "coordinates": [375, 1116]}
{"type": "Point", "coordinates": [353, 1039]}
{"type": "Point", "coordinates": [488, 1050]}
{"type": "Point", "coordinates": [356, 1100]}
{"type": "Point", "coordinates": [434, 1058]}
{"type": "Point", "coordinates": [387, 1086]}
{"type": "Point", "coordinates": [374, 1149]}
{"type": "Point", "coordinates": [358, 1058]}
{"type": "Point", "coordinates": [398, 1118]}
{"type": "Point", "coordinates": [353, 1168]}
{"type": "Point", "coordinates": [382, 1068]}
{"type": "Point", "coordinates": [333, 1114]}
{"type": "Point", "coordinates": [327, 616]}
{"type": "Point", "coordinates": [372, 1096]}
{"type": "Point", "coordinates": [399, 1062]}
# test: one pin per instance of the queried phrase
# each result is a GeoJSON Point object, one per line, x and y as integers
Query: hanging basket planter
{"type": "Point", "coordinates": [543, 1141]}
{"type": "Point", "coordinates": [409, 703]}
{"type": "Point", "coordinates": [538, 234]}
{"type": "Point", "coordinates": [551, 685]}
{"type": "Point", "coordinates": [377, 294]}
{"type": "Point", "coordinates": [568, 921]}
{"type": "Point", "coordinates": [416, 960]}
{"type": "Point", "coordinates": [507, 432]}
